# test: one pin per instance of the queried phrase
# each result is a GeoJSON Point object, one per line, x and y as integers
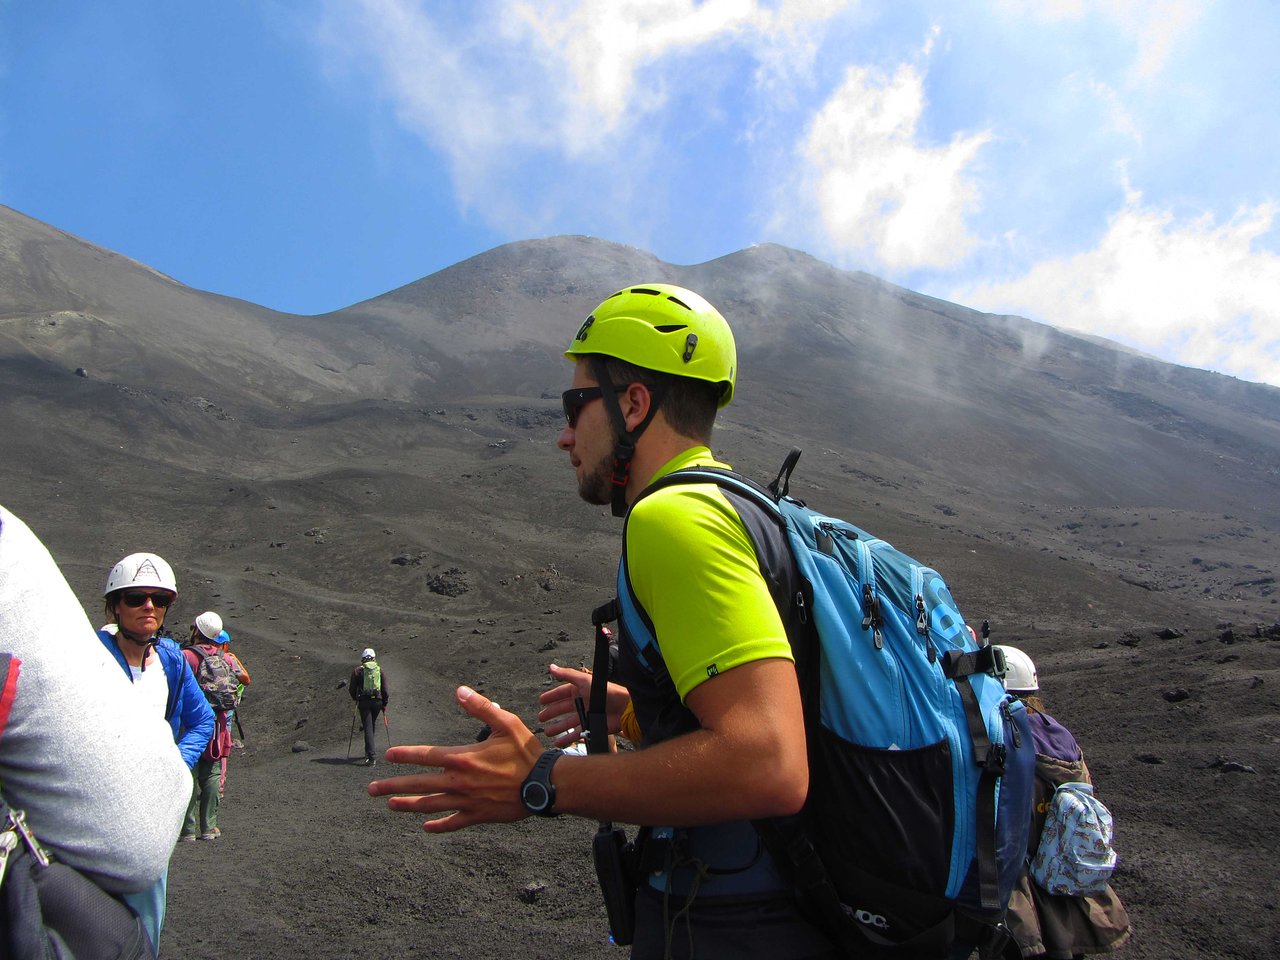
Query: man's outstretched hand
{"type": "Point", "coordinates": [473, 783]}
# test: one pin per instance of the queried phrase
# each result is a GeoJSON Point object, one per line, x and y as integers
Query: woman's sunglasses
{"type": "Point", "coordinates": [136, 598]}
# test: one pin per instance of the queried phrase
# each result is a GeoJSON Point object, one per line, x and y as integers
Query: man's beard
{"type": "Point", "coordinates": [597, 486]}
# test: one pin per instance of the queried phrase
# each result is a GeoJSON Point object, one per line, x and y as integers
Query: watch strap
{"type": "Point", "coordinates": [541, 775]}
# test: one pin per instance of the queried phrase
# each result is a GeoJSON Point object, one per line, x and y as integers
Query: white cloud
{"type": "Point", "coordinates": [601, 54]}
{"type": "Point", "coordinates": [566, 80]}
{"type": "Point", "coordinates": [433, 81]}
{"type": "Point", "coordinates": [1188, 290]}
{"type": "Point", "coordinates": [1119, 117]}
{"type": "Point", "coordinates": [1155, 27]}
{"type": "Point", "coordinates": [598, 48]}
{"type": "Point", "coordinates": [878, 191]}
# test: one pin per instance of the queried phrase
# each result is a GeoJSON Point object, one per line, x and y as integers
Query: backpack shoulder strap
{"type": "Point", "coordinates": [595, 721]}
{"type": "Point", "coordinates": [758, 509]}
{"type": "Point", "coordinates": [762, 514]}
{"type": "Point", "coordinates": [722, 477]}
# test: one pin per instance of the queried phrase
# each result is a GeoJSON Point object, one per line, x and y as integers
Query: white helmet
{"type": "Point", "coordinates": [140, 570]}
{"type": "Point", "coordinates": [368, 654]}
{"type": "Point", "coordinates": [1020, 673]}
{"type": "Point", "coordinates": [209, 624]}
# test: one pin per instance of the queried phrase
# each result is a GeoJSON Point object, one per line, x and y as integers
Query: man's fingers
{"type": "Point", "coordinates": [483, 709]}
{"type": "Point", "coordinates": [434, 803]}
{"type": "Point", "coordinates": [557, 710]}
{"type": "Point", "coordinates": [563, 691]}
{"type": "Point", "coordinates": [562, 731]}
{"type": "Point", "coordinates": [455, 821]}
{"type": "Point", "coordinates": [412, 784]}
{"type": "Point", "coordinates": [424, 755]}
{"type": "Point", "coordinates": [486, 711]}
{"type": "Point", "coordinates": [578, 678]}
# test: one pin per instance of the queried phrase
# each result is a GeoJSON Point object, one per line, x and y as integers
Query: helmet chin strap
{"type": "Point", "coordinates": [625, 449]}
{"type": "Point", "coordinates": [146, 643]}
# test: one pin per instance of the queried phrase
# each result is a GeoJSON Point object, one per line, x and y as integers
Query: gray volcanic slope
{"type": "Point", "coordinates": [387, 474]}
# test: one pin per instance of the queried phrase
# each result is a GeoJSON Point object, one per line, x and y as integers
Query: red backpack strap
{"type": "Point", "coordinates": [10, 667]}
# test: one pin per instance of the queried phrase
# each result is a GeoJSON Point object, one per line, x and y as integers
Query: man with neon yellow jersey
{"type": "Point", "coordinates": [713, 691]}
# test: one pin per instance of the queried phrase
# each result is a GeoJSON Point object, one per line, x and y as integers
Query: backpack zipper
{"type": "Point", "coordinates": [1007, 710]}
{"type": "Point", "coordinates": [872, 618]}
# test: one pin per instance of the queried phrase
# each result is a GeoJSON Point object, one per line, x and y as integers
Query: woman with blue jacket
{"type": "Point", "coordinates": [140, 589]}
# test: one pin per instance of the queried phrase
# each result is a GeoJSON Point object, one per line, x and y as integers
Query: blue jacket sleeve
{"type": "Point", "coordinates": [195, 718]}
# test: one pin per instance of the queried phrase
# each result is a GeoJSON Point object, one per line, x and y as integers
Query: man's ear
{"type": "Point", "coordinates": [635, 402]}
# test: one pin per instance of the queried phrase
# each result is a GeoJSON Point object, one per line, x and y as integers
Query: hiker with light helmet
{"type": "Point", "coordinates": [138, 593]}
{"type": "Point", "coordinates": [368, 688]}
{"type": "Point", "coordinates": [1058, 924]}
{"type": "Point", "coordinates": [723, 739]}
{"type": "Point", "coordinates": [140, 589]}
{"type": "Point", "coordinates": [221, 680]}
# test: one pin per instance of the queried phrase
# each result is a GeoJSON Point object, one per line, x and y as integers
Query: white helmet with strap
{"type": "Point", "coordinates": [141, 570]}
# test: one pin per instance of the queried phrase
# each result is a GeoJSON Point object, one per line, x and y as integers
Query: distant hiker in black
{"type": "Point", "coordinates": [368, 687]}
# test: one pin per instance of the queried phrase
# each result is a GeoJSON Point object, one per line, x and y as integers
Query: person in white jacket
{"type": "Point", "coordinates": [94, 767]}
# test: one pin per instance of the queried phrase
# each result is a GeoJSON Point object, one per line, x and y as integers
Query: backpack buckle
{"type": "Point", "coordinates": [997, 755]}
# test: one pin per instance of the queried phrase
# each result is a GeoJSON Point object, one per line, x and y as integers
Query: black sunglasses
{"type": "Point", "coordinates": [577, 398]}
{"type": "Point", "coordinates": [136, 598]}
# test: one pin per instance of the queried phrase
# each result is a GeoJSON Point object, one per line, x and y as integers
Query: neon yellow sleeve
{"type": "Point", "coordinates": [694, 570]}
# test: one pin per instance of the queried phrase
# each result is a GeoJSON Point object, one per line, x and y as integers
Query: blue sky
{"type": "Point", "coordinates": [1110, 166]}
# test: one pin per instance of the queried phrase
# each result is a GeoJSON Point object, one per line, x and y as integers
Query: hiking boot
{"type": "Point", "coordinates": [210, 835]}
{"type": "Point", "coordinates": [369, 762]}
{"type": "Point", "coordinates": [187, 836]}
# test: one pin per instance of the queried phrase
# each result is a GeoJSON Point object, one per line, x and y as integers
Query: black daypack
{"type": "Point", "coordinates": [921, 766]}
{"type": "Point", "coordinates": [51, 911]}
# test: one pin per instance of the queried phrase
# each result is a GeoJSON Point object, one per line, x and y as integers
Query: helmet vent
{"type": "Point", "coordinates": [679, 301]}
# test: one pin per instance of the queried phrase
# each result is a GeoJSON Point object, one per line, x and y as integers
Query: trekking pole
{"type": "Point", "coordinates": [386, 726]}
{"type": "Point", "coordinates": [236, 715]}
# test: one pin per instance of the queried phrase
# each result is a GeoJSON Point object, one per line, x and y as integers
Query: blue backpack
{"type": "Point", "coordinates": [921, 766]}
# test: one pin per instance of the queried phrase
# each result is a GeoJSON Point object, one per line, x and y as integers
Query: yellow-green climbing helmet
{"type": "Point", "coordinates": [662, 327]}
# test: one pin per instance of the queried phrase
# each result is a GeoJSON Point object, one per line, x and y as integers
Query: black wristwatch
{"type": "Point", "coordinates": [537, 793]}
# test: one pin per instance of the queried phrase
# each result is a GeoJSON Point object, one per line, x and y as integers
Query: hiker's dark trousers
{"type": "Point", "coordinates": [370, 707]}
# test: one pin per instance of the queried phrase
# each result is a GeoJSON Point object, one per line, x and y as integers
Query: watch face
{"type": "Point", "coordinates": [535, 796]}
